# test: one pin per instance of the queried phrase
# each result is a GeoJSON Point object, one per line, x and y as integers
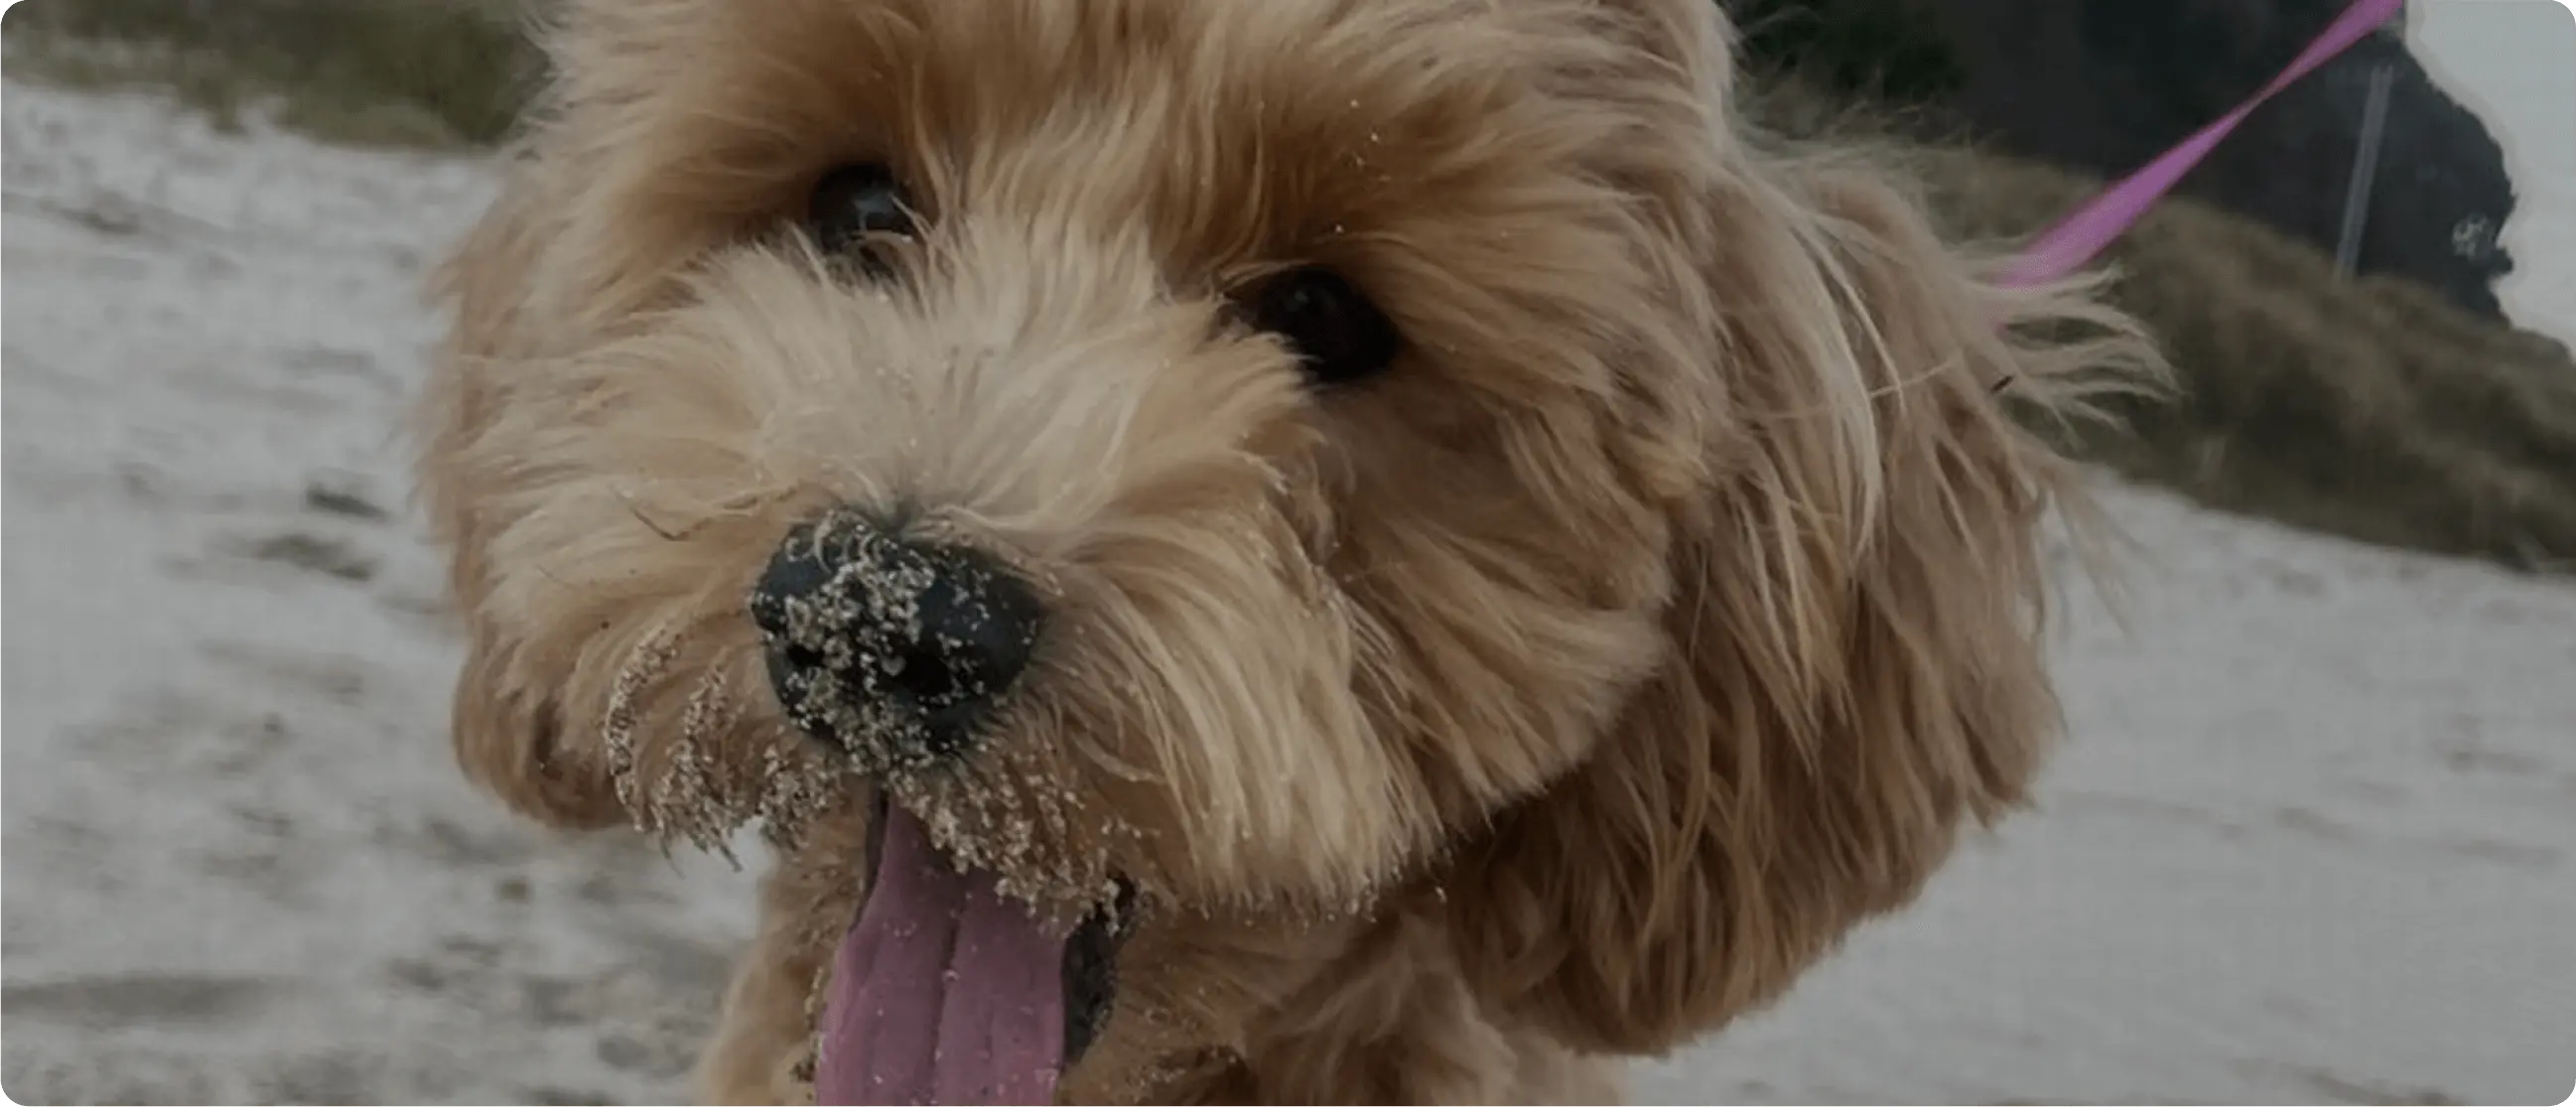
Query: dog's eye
{"type": "Point", "coordinates": [854, 204]}
{"type": "Point", "coordinates": [1340, 334]}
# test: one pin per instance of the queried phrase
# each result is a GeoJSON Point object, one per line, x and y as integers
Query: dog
{"type": "Point", "coordinates": [1353, 551]}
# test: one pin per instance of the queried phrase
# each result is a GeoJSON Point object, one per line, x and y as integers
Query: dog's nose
{"type": "Point", "coordinates": [891, 647]}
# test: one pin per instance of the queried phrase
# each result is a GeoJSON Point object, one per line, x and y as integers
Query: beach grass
{"type": "Point", "coordinates": [370, 72]}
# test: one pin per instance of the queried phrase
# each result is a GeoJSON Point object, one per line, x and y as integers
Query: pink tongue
{"type": "Point", "coordinates": [942, 992]}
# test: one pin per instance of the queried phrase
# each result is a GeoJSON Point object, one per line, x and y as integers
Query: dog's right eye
{"type": "Point", "coordinates": [1338, 332]}
{"type": "Point", "coordinates": [855, 205]}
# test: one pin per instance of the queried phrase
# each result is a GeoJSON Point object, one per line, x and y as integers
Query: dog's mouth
{"type": "Point", "coordinates": [945, 991]}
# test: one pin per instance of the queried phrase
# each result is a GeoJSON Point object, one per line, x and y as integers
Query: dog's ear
{"type": "Point", "coordinates": [1854, 671]}
{"type": "Point", "coordinates": [506, 725]}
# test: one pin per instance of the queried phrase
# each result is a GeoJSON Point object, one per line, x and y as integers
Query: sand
{"type": "Point", "coordinates": [2311, 841]}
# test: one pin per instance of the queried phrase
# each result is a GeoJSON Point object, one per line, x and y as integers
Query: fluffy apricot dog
{"type": "Point", "coordinates": [1347, 551]}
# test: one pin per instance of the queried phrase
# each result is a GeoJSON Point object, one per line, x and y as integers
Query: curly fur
{"type": "Point", "coordinates": [1670, 608]}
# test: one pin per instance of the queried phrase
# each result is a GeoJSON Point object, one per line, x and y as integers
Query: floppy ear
{"type": "Point", "coordinates": [506, 725]}
{"type": "Point", "coordinates": [1854, 667]}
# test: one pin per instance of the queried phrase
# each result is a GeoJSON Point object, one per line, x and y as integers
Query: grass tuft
{"type": "Point", "coordinates": [371, 72]}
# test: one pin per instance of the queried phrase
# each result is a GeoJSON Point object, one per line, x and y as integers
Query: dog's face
{"type": "Point", "coordinates": [1203, 467]}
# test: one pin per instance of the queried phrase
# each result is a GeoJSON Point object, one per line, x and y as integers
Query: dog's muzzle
{"type": "Point", "coordinates": [893, 648]}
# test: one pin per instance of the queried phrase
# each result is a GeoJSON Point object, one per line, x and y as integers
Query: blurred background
{"type": "Point", "coordinates": [2310, 842]}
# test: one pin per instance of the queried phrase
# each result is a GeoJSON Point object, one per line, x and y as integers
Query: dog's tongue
{"type": "Point", "coordinates": [942, 992]}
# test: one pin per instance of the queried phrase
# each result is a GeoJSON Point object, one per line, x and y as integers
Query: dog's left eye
{"type": "Point", "coordinates": [1339, 333]}
{"type": "Point", "coordinates": [856, 203]}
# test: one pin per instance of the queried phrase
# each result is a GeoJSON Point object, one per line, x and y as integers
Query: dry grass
{"type": "Point", "coordinates": [2370, 409]}
{"type": "Point", "coordinates": [374, 72]}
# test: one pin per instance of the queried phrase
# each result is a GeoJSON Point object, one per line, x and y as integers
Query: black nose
{"type": "Point", "coordinates": [893, 648]}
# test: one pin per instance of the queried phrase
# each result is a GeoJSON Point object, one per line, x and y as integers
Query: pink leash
{"type": "Point", "coordinates": [2075, 240]}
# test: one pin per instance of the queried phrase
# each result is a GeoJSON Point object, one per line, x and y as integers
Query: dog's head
{"type": "Point", "coordinates": [1221, 469]}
